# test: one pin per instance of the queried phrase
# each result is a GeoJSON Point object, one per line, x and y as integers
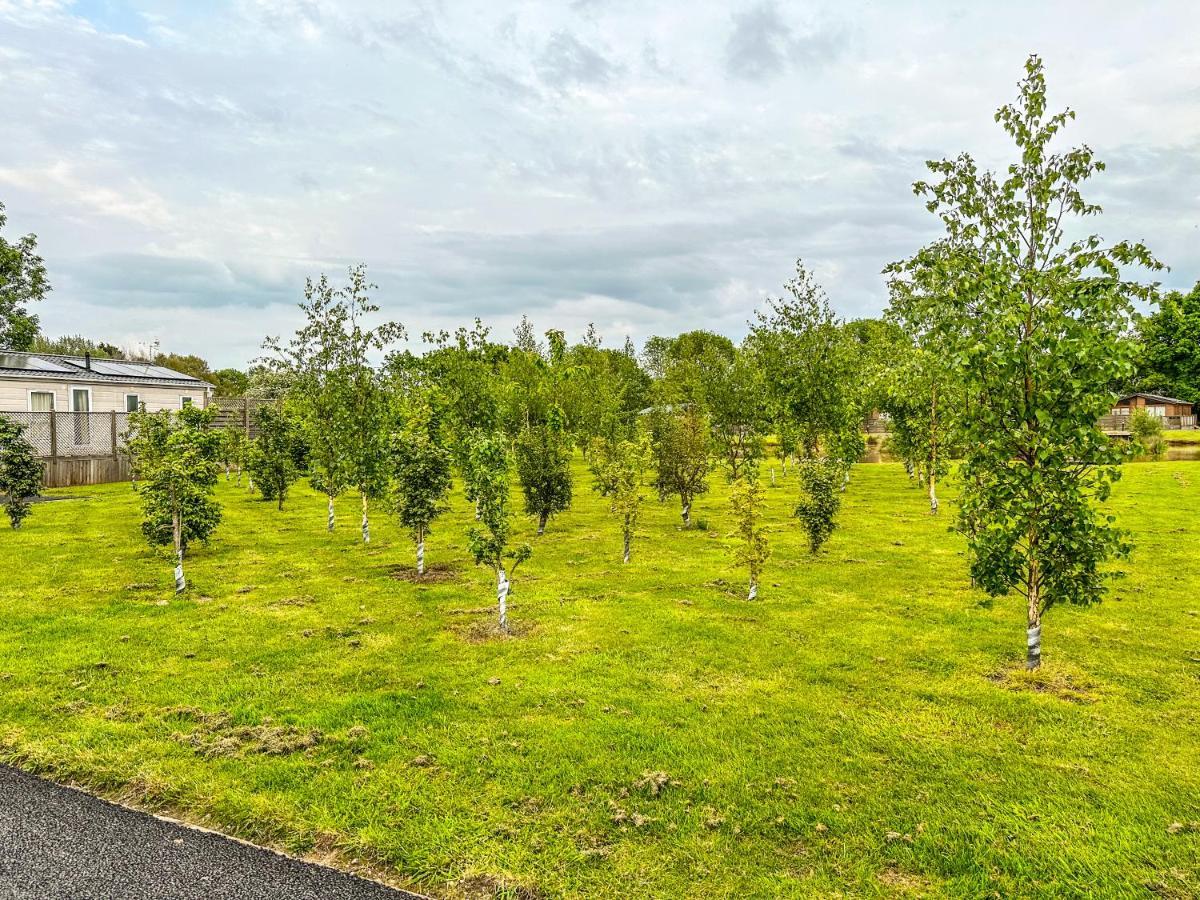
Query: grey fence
{"type": "Point", "coordinates": [73, 434]}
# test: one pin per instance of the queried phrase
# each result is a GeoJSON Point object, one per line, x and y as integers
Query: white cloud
{"type": "Point", "coordinates": [652, 168]}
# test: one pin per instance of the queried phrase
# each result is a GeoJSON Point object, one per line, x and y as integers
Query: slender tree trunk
{"type": "Point", "coordinates": [845, 480]}
{"type": "Point", "coordinates": [177, 537]}
{"type": "Point", "coordinates": [226, 471]}
{"type": "Point", "coordinates": [686, 512]}
{"type": "Point", "coordinates": [542, 523]}
{"type": "Point", "coordinates": [421, 551]}
{"type": "Point", "coordinates": [329, 513]}
{"type": "Point", "coordinates": [1033, 632]}
{"type": "Point", "coordinates": [627, 535]}
{"type": "Point", "coordinates": [366, 523]}
{"type": "Point", "coordinates": [502, 597]}
{"type": "Point", "coordinates": [933, 453]}
{"type": "Point", "coordinates": [250, 483]}
{"type": "Point", "coordinates": [772, 476]}
{"type": "Point", "coordinates": [753, 589]}
{"type": "Point", "coordinates": [238, 480]}
{"type": "Point", "coordinates": [478, 514]}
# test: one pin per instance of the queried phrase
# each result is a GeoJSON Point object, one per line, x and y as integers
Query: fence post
{"type": "Point", "coordinates": [246, 416]}
{"type": "Point", "coordinates": [53, 434]}
{"type": "Point", "coordinates": [113, 430]}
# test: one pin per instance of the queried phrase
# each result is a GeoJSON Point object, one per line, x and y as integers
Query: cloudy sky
{"type": "Point", "coordinates": [650, 167]}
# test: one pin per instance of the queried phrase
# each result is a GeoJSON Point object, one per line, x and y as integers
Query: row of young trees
{"type": "Point", "coordinates": [1003, 344]}
{"type": "Point", "coordinates": [395, 427]}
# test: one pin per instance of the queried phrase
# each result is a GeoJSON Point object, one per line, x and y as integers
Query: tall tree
{"type": "Point", "coordinates": [20, 472]}
{"type": "Point", "coordinates": [339, 399]}
{"type": "Point", "coordinates": [22, 282]}
{"type": "Point", "coordinates": [680, 440]}
{"type": "Point", "coordinates": [1033, 322]}
{"type": "Point", "coordinates": [421, 477]}
{"type": "Point", "coordinates": [818, 504]}
{"type": "Point", "coordinates": [1169, 347]}
{"type": "Point", "coordinates": [619, 468]}
{"type": "Point", "coordinates": [175, 454]}
{"type": "Point", "coordinates": [488, 542]}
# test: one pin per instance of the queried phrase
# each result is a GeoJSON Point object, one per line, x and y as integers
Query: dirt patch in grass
{"type": "Point", "coordinates": [435, 573]}
{"type": "Point", "coordinates": [904, 882]}
{"type": "Point", "coordinates": [493, 887]}
{"type": "Point", "coordinates": [1069, 686]}
{"type": "Point", "coordinates": [215, 734]}
{"type": "Point", "coordinates": [481, 631]}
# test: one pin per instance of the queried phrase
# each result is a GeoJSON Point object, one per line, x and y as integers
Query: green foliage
{"type": "Point", "coordinates": [751, 548]}
{"type": "Point", "coordinates": [1147, 433]}
{"type": "Point", "coordinates": [20, 472]}
{"type": "Point", "coordinates": [22, 281]}
{"type": "Point", "coordinates": [174, 454]}
{"type": "Point", "coordinates": [490, 466]}
{"type": "Point", "coordinates": [421, 477]}
{"type": "Point", "coordinates": [341, 403]}
{"type": "Point", "coordinates": [271, 458]}
{"type": "Point", "coordinates": [230, 382]}
{"type": "Point", "coordinates": [75, 345]}
{"type": "Point", "coordinates": [618, 469]}
{"type": "Point", "coordinates": [233, 448]}
{"type": "Point", "coordinates": [819, 502]}
{"type": "Point", "coordinates": [680, 441]}
{"type": "Point", "coordinates": [810, 366]}
{"type": "Point", "coordinates": [1032, 322]}
{"type": "Point", "coordinates": [543, 454]}
{"type": "Point", "coordinates": [1169, 347]}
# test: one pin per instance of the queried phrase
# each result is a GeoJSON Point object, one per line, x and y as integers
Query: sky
{"type": "Point", "coordinates": [649, 167]}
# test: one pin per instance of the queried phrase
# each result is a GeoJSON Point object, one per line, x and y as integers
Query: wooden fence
{"type": "Point", "coordinates": [1120, 424]}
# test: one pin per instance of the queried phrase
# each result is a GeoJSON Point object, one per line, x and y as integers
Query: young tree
{"type": "Point", "coordinates": [619, 467]}
{"type": "Point", "coordinates": [175, 454]}
{"type": "Point", "coordinates": [233, 450]}
{"type": "Point", "coordinates": [1033, 321]}
{"type": "Point", "coordinates": [680, 440]}
{"type": "Point", "coordinates": [22, 281]}
{"type": "Point", "coordinates": [20, 472]}
{"type": "Point", "coordinates": [544, 468]}
{"type": "Point", "coordinates": [271, 457]}
{"type": "Point", "coordinates": [751, 549]}
{"type": "Point", "coordinates": [488, 542]}
{"type": "Point", "coordinates": [1147, 433]}
{"type": "Point", "coordinates": [735, 395]}
{"type": "Point", "coordinates": [338, 397]}
{"type": "Point", "coordinates": [420, 474]}
{"type": "Point", "coordinates": [819, 503]}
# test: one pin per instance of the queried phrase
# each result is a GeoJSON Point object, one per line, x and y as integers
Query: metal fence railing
{"type": "Point", "coordinates": [70, 434]}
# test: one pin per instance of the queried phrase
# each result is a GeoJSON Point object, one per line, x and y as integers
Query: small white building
{"type": "Point", "coordinates": [48, 382]}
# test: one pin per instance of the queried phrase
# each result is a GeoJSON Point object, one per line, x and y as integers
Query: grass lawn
{"type": "Point", "coordinates": [1182, 437]}
{"type": "Point", "coordinates": [863, 729]}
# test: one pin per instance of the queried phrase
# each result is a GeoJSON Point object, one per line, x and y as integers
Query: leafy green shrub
{"type": "Point", "coordinates": [819, 500]}
{"type": "Point", "coordinates": [1147, 433]}
{"type": "Point", "coordinates": [20, 471]}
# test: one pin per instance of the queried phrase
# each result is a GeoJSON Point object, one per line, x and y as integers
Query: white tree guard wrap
{"type": "Point", "coordinates": [329, 517]}
{"type": "Point", "coordinates": [687, 514]}
{"type": "Point", "coordinates": [1033, 639]}
{"type": "Point", "coordinates": [180, 581]}
{"type": "Point", "coordinates": [753, 595]}
{"type": "Point", "coordinates": [625, 557]}
{"type": "Point", "coordinates": [772, 476]}
{"type": "Point", "coordinates": [249, 482]}
{"type": "Point", "coordinates": [502, 598]}
{"type": "Point", "coordinates": [421, 556]}
{"type": "Point", "coordinates": [366, 523]}
{"type": "Point", "coordinates": [933, 501]}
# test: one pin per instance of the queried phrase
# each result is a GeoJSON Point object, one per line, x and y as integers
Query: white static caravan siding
{"type": "Point", "coordinates": [106, 396]}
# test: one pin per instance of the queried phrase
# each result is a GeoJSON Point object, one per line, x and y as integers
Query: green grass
{"type": "Point", "coordinates": [863, 729]}
{"type": "Point", "coordinates": [1182, 437]}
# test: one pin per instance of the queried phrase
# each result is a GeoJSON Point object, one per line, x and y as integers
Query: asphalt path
{"type": "Point", "coordinates": [56, 842]}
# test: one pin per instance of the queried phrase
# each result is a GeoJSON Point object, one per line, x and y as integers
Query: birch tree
{"type": "Point", "coordinates": [1033, 320]}
{"type": "Point", "coordinates": [176, 458]}
{"type": "Point", "coordinates": [333, 389]}
{"type": "Point", "coordinates": [818, 504]}
{"type": "Point", "coordinates": [751, 548]}
{"type": "Point", "coordinates": [619, 468]}
{"type": "Point", "coordinates": [20, 472]}
{"type": "Point", "coordinates": [421, 478]}
{"type": "Point", "coordinates": [489, 540]}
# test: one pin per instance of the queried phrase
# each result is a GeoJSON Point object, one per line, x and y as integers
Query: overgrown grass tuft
{"type": "Point", "coordinates": [864, 728]}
